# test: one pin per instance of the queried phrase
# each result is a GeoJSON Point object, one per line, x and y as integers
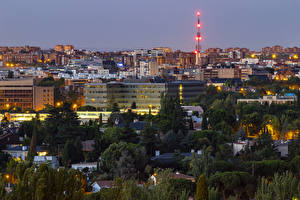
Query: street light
{"type": "Point", "coordinates": [58, 104]}
{"type": "Point", "coordinates": [7, 106]}
{"type": "Point", "coordinates": [274, 56]}
{"type": "Point", "coordinates": [295, 56]}
{"type": "Point", "coordinates": [7, 176]}
{"type": "Point", "coordinates": [74, 106]}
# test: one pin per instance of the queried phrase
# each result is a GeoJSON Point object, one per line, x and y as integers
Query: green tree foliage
{"type": "Point", "coordinates": [265, 148]}
{"type": "Point", "coordinates": [264, 190]}
{"type": "Point", "coordinates": [281, 186]}
{"type": "Point", "coordinates": [61, 124]}
{"type": "Point", "coordinates": [47, 183]}
{"type": "Point", "coordinates": [202, 190]}
{"type": "Point", "coordinates": [213, 194]}
{"type": "Point", "coordinates": [201, 164]}
{"type": "Point", "coordinates": [239, 184]}
{"type": "Point", "coordinates": [171, 115]}
{"type": "Point", "coordinates": [4, 158]}
{"type": "Point", "coordinates": [119, 159]}
{"type": "Point", "coordinates": [149, 139]}
{"type": "Point", "coordinates": [2, 187]}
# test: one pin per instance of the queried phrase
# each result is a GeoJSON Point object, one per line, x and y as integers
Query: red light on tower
{"type": "Point", "coordinates": [198, 13]}
{"type": "Point", "coordinates": [198, 25]}
{"type": "Point", "coordinates": [195, 52]}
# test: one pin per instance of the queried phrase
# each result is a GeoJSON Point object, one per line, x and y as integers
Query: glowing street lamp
{"type": "Point", "coordinates": [74, 106]}
{"type": "Point", "coordinates": [274, 56]}
{"type": "Point", "coordinates": [58, 104]}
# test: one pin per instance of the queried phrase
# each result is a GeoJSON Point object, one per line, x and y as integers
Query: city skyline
{"type": "Point", "coordinates": [123, 25]}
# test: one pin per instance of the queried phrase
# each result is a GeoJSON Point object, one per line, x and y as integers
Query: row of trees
{"type": "Point", "coordinates": [42, 183]}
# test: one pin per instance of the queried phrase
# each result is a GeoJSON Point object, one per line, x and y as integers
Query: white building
{"type": "Point", "coordinates": [80, 166]}
{"type": "Point", "coordinates": [50, 160]}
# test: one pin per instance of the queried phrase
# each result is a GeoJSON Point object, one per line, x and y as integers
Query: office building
{"type": "Point", "coordinates": [24, 94]}
{"type": "Point", "coordinates": [144, 95]}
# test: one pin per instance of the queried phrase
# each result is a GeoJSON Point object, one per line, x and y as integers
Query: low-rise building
{"type": "Point", "coordinates": [271, 99]}
{"type": "Point", "coordinates": [80, 166]}
{"type": "Point", "coordinates": [49, 160]}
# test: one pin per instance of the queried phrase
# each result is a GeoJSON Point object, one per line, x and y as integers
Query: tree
{"type": "Point", "coordinates": [47, 183]}
{"type": "Point", "coordinates": [133, 105]}
{"type": "Point", "coordinates": [10, 74]}
{"type": "Point", "coordinates": [128, 135]}
{"type": "Point", "coordinates": [100, 120]}
{"type": "Point", "coordinates": [171, 115]}
{"type": "Point", "coordinates": [213, 194]}
{"type": "Point", "coordinates": [135, 155]}
{"type": "Point", "coordinates": [68, 150]}
{"type": "Point", "coordinates": [234, 183]}
{"type": "Point", "coordinates": [264, 190]}
{"type": "Point", "coordinates": [265, 148]}
{"type": "Point", "coordinates": [204, 125]}
{"type": "Point", "coordinates": [201, 164]}
{"type": "Point", "coordinates": [284, 186]}
{"type": "Point", "coordinates": [32, 150]}
{"type": "Point", "coordinates": [125, 166]}
{"type": "Point", "coordinates": [72, 152]}
{"type": "Point", "coordinates": [61, 124]}
{"type": "Point", "coordinates": [149, 139]}
{"type": "Point", "coordinates": [202, 190]}
{"type": "Point", "coordinates": [2, 188]}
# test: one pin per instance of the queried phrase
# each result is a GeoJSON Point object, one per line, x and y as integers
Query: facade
{"type": "Point", "coordinates": [229, 72]}
{"type": "Point", "coordinates": [144, 95]}
{"type": "Point", "coordinates": [185, 90]}
{"type": "Point", "coordinates": [22, 93]}
{"type": "Point", "coordinates": [42, 97]}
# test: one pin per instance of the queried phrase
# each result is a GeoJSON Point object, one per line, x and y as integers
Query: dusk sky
{"type": "Point", "coordinates": [128, 24]}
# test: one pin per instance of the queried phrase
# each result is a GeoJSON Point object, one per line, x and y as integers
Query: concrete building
{"type": "Point", "coordinates": [153, 69]}
{"type": "Point", "coordinates": [230, 72]}
{"type": "Point", "coordinates": [102, 95]}
{"type": "Point", "coordinates": [144, 95]}
{"type": "Point", "coordinates": [24, 94]}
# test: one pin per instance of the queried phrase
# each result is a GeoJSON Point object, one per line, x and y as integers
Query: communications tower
{"type": "Point", "coordinates": [198, 36]}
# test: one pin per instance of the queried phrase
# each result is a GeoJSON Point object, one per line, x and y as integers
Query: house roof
{"type": "Point", "coordinates": [182, 176]}
{"type": "Point", "coordinates": [139, 125]}
{"type": "Point", "coordinates": [88, 145]}
{"type": "Point", "coordinates": [21, 148]}
{"type": "Point", "coordinates": [168, 157]}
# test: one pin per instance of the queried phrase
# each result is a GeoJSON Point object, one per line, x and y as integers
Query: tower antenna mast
{"type": "Point", "coordinates": [198, 36]}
